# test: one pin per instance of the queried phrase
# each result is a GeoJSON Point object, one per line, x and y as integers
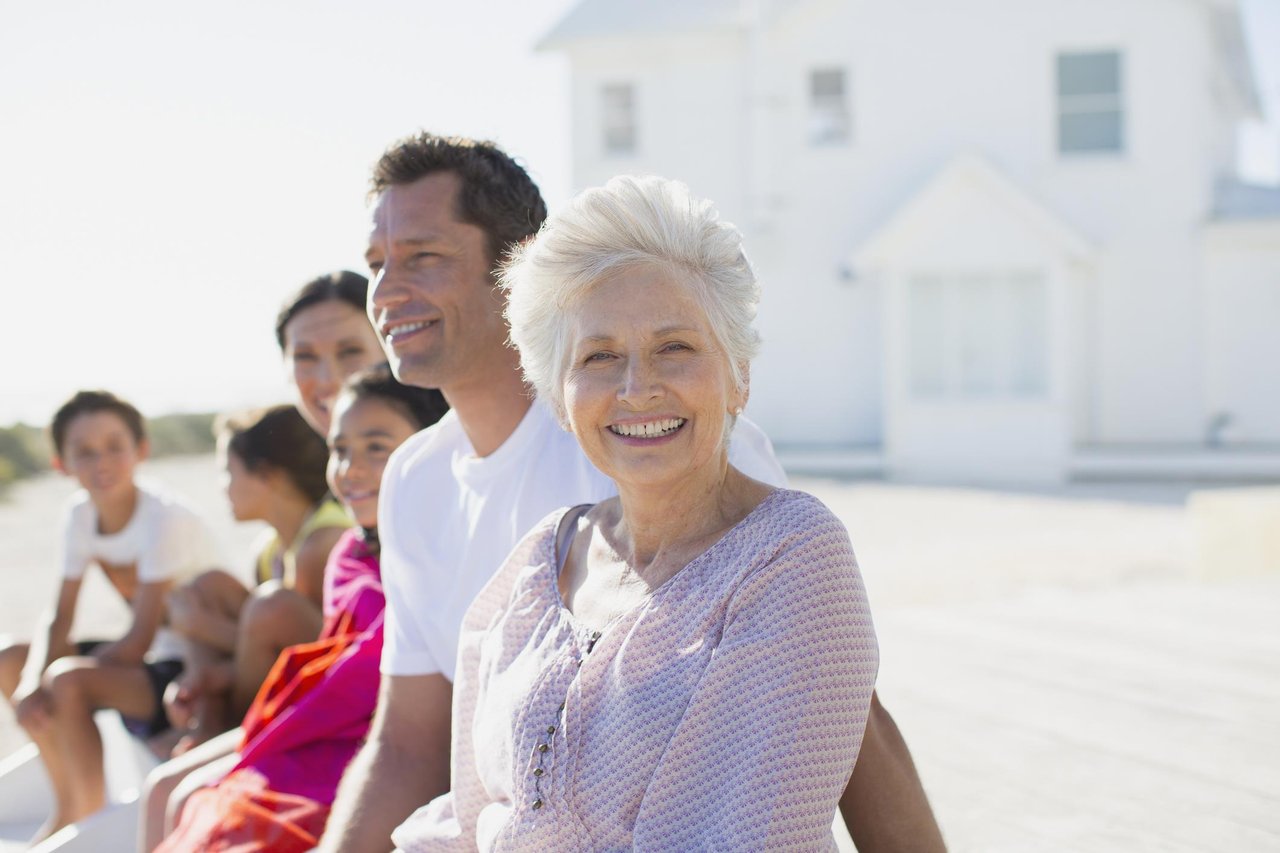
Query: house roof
{"type": "Point", "coordinates": [1235, 200]}
{"type": "Point", "coordinates": [975, 182]}
{"type": "Point", "coordinates": [591, 19]}
{"type": "Point", "coordinates": [594, 19]}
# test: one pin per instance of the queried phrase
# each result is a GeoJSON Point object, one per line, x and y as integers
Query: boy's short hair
{"type": "Point", "coordinates": [90, 402]}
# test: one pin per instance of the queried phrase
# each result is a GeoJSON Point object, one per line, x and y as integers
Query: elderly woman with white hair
{"type": "Point", "coordinates": [688, 665]}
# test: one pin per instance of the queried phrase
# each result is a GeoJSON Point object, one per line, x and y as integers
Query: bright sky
{"type": "Point", "coordinates": [171, 171]}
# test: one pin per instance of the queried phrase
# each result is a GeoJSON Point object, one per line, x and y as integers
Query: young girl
{"type": "Point", "coordinates": [314, 710]}
{"type": "Point", "coordinates": [274, 464]}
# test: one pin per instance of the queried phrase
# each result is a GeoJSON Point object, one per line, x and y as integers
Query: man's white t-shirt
{"type": "Point", "coordinates": [164, 538]}
{"type": "Point", "coordinates": [447, 520]}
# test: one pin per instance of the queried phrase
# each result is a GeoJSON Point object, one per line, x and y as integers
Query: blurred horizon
{"type": "Point", "coordinates": [173, 174]}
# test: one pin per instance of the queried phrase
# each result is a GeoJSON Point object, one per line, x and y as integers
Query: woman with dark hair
{"type": "Point", "coordinates": [325, 336]}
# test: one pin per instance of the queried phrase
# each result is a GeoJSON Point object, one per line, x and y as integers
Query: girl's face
{"type": "Point", "coordinates": [323, 345]}
{"type": "Point", "coordinates": [363, 435]}
{"type": "Point", "coordinates": [249, 493]}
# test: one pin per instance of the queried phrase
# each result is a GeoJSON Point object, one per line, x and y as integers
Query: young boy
{"type": "Point", "coordinates": [144, 542]}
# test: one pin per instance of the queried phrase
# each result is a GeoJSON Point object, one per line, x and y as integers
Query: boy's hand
{"type": "Point", "coordinates": [34, 710]}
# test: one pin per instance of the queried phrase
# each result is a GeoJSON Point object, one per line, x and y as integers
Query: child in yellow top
{"type": "Point", "coordinates": [275, 472]}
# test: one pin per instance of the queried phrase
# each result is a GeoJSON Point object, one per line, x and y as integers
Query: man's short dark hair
{"type": "Point", "coordinates": [497, 195]}
{"type": "Point", "coordinates": [91, 402]}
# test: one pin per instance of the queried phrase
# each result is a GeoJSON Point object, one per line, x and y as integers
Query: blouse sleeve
{"type": "Point", "coordinates": [772, 730]}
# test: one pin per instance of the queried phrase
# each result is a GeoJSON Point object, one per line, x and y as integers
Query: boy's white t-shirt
{"type": "Point", "coordinates": [164, 538]}
{"type": "Point", "coordinates": [447, 520]}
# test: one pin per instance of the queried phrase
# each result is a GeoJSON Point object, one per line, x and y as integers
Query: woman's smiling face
{"type": "Point", "coordinates": [647, 388]}
{"type": "Point", "coordinates": [364, 434]}
{"type": "Point", "coordinates": [323, 345]}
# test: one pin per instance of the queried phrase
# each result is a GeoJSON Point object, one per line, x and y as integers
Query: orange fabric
{"type": "Point", "coordinates": [296, 673]}
{"type": "Point", "coordinates": [242, 815]}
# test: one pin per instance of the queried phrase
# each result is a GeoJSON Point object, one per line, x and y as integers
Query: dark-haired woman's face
{"type": "Point", "coordinates": [323, 345]}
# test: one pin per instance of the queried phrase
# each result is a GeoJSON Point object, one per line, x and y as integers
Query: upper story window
{"type": "Point", "coordinates": [829, 122]}
{"type": "Point", "coordinates": [618, 118]}
{"type": "Point", "coordinates": [1090, 103]}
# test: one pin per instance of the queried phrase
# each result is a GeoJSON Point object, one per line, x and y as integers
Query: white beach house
{"type": "Point", "coordinates": [999, 239]}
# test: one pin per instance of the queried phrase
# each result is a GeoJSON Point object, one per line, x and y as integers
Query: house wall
{"type": "Point", "coordinates": [930, 80]}
{"type": "Point", "coordinates": [1241, 328]}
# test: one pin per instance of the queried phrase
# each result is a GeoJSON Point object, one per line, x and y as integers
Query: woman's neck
{"type": "Point", "coordinates": [661, 525]}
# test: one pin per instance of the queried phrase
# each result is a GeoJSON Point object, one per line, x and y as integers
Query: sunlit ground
{"type": "Point", "coordinates": [1073, 670]}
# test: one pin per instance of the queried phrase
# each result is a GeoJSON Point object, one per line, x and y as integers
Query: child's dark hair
{"type": "Point", "coordinates": [345, 286]}
{"type": "Point", "coordinates": [89, 402]}
{"type": "Point", "coordinates": [277, 438]}
{"type": "Point", "coordinates": [421, 406]}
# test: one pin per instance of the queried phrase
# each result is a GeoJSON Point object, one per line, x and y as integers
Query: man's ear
{"type": "Point", "coordinates": [55, 462]}
{"type": "Point", "coordinates": [144, 450]}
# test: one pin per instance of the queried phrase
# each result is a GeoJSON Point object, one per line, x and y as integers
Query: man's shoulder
{"type": "Point", "coordinates": [77, 513]}
{"type": "Point", "coordinates": [432, 446]}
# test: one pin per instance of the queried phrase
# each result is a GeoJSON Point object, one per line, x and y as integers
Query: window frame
{"type": "Point", "coordinates": [610, 114]}
{"type": "Point", "coordinates": [822, 108]}
{"type": "Point", "coordinates": [1094, 104]}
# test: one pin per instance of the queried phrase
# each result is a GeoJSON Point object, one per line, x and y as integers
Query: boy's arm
{"type": "Point", "coordinates": [148, 608]}
{"type": "Point", "coordinates": [403, 765]}
{"type": "Point", "coordinates": [50, 641]}
{"type": "Point", "coordinates": [884, 805]}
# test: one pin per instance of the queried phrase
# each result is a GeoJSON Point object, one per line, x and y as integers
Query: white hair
{"type": "Point", "coordinates": [629, 222]}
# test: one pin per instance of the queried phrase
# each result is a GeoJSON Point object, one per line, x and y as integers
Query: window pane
{"type": "Point", "coordinates": [927, 319]}
{"type": "Point", "coordinates": [1029, 336]}
{"type": "Point", "coordinates": [1089, 73]}
{"type": "Point", "coordinates": [618, 118]}
{"type": "Point", "coordinates": [1094, 131]}
{"type": "Point", "coordinates": [978, 337]}
{"type": "Point", "coordinates": [828, 107]}
{"type": "Point", "coordinates": [828, 83]}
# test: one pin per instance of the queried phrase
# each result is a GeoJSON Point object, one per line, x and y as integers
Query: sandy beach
{"type": "Point", "coordinates": [1065, 671]}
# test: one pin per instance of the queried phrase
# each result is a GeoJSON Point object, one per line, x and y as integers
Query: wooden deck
{"type": "Point", "coordinates": [1144, 717]}
{"type": "Point", "coordinates": [1069, 672]}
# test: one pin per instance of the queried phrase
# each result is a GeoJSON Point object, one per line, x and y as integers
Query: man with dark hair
{"type": "Point", "coordinates": [457, 497]}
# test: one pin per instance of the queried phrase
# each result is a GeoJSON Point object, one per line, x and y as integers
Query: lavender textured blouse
{"type": "Point", "coordinates": [723, 712]}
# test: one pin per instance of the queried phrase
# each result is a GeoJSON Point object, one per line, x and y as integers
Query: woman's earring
{"type": "Point", "coordinates": [737, 410]}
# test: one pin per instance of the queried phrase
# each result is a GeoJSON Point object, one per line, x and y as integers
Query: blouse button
{"type": "Point", "coordinates": [551, 730]}
{"type": "Point", "coordinates": [542, 747]}
{"type": "Point", "coordinates": [538, 771]}
{"type": "Point", "coordinates": [537, 804]}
